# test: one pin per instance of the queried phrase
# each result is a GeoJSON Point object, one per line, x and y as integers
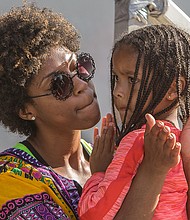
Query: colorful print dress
{"type": "Point", "coordinates": [30, 189]}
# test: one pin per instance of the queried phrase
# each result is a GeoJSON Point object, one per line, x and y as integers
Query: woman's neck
{"type": "Point", "coordinates": [64, 155]}
{"type": "Point", "coordinates": [58, 150]}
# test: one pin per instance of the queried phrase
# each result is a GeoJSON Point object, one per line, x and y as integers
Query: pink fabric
{"type": "Point", "coordinates": [104, 193]}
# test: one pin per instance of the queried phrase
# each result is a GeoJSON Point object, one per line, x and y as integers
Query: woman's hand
{"type": "Point", "coordinates": [185, 152]}
{"type": "Point", "coordinates": [185, 142]}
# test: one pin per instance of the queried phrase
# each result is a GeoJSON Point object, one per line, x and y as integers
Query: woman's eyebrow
{"type": "Point", "coordinates": [52, 73]}
{"type": "Point", "coordinates": [47, 76]}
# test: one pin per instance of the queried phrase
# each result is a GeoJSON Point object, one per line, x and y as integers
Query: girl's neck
{"type": "Point", "coordinates": [172, 118]}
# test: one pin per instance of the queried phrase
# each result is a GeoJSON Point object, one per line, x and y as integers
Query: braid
{"type": "Point", "coordinates": [112, 79]}
{"type": "Point", "coordinates": [183, 96]}
{"type": "Point", "coordinates": [165, 53]}
{"type": "Point", "coordinates": [130, 124]}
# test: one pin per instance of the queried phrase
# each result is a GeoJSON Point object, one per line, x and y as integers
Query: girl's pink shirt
{"type": "Point", "coordinates": [104, 193]}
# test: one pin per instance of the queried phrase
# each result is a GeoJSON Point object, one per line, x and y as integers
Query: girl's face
{"type": "Point", "coordinates": [79, 111]}
{"type": "Point", "coordinates": [124, 64]}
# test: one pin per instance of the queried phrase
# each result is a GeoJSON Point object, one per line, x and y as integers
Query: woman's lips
{"type": "Point", "coordinates": [85, 106]}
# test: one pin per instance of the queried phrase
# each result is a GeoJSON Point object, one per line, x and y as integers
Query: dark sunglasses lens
{"type": "Point", "coordinates": [62, 86]}
{"type": "Point", "coordinates": [86, 66]}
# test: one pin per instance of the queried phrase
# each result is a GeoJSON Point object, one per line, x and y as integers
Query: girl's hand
{"type": "Point", "coordinates": [162, 152]}
{"type": "Point", "coordinates": [103, 149]}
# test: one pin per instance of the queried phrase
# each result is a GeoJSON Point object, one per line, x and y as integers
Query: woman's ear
{"type": "Point", "coordinates": [28, 113]}
{"type": "Point", "coordinates": [172, 92]}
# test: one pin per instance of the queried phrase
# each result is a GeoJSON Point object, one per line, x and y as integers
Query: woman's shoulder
{"type": "Point", "coordinates": [19, 152]}
{"type": "Point", "coordinates": [21, 178]}
{"type": "Point", "coordinates": [22, 175]}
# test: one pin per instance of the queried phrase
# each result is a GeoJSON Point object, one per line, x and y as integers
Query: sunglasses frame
{"type": "Point", "coordinates": [69, 77]}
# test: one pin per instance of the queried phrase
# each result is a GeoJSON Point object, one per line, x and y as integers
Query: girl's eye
{"type": "Point", "coordinates": [131, 80]}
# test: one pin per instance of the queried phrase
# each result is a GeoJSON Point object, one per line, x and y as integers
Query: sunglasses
{"type": "Point", "coordinates": [61, 85]}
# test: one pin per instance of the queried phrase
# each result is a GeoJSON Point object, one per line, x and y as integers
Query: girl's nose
{"type": "Point", "coordinates": [118, 92]}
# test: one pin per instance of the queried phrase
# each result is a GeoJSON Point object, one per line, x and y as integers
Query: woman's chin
{"type": "Point", "coordinates": [91, 122]}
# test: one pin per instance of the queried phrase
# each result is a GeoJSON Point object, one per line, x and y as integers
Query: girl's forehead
{"type": "Point", "coordinates": [126, 47]}
{"type": "Point", "coordinates": [124, 61]}
{"type": "Point", "coordinates": [124, 55]}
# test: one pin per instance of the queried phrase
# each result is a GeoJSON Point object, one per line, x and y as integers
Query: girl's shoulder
{"type": "Point", "coordinates": [133, 135]}
{"type": "Point", "coordinates": [132, 143]}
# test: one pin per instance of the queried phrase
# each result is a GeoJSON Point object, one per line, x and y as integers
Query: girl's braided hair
{"type": "Point", "coordinates": [165, 50]}
{"type": "Point", "coordinates": [28, 33]}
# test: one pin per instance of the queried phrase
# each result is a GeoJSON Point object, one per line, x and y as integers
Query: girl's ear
{"type": "Point", "coordinates": [172, 92]}
{"type": "Point", "coordinates": [28, 113]}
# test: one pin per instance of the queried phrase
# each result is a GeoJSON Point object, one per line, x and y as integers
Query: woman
{"type": "Point", "coordinates": [46, 94]}
{"type": "Point", "coordinates": [38, 52]}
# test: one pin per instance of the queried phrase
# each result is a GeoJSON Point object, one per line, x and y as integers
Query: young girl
{"type": "Point", "coordinates": [149, 74]}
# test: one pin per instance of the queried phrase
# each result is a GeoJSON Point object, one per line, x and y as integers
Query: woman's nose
{"type": "Point", "coordinates": [79, 85]}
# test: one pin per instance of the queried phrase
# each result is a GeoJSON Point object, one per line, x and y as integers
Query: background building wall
{"type": "Point", "coordinates": [184, 5]}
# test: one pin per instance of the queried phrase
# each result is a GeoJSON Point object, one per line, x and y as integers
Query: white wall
{"type": "Point", "coordinates": [184, 5]}
{"type": "Point", "coordinates": [95, 22]}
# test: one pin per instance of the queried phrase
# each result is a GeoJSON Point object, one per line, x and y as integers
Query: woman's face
{"type": "Point", "coordinates": [79, 111]}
